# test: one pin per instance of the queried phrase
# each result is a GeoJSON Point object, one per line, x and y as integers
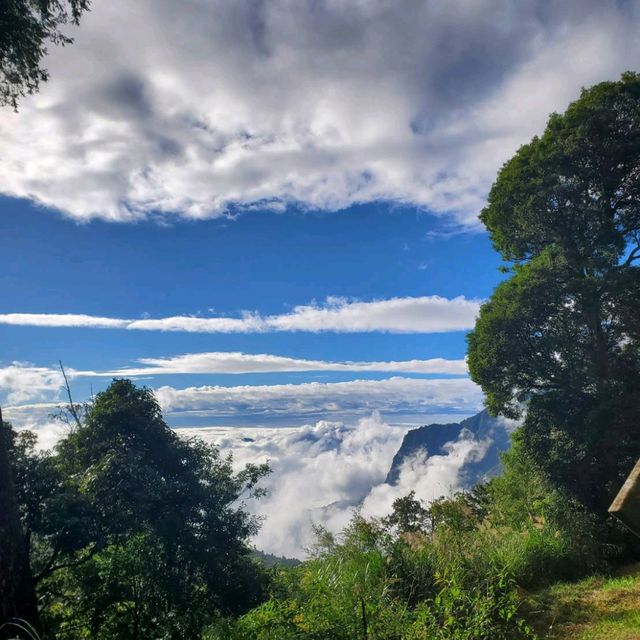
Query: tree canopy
{"type": "Point", "coordinates": [558, 342]}
{"type": "Point", "coordinates": [576, 186]}
{"type": "Point", "coordinates": [146, 530]}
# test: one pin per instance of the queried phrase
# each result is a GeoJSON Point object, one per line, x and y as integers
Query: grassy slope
{"type": "Point", "coordinates": [598, 608]}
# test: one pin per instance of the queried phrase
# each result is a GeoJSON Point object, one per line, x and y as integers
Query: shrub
{"type": "Point", "coordinates": [487, 610]}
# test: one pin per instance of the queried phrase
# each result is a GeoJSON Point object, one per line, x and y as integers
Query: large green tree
{"type": "Point", "coordinates": [559, 341]}
{"type": "Point", "coordinates": [26, 26]}
{"type": "Point", "coordinates": [141, 530]}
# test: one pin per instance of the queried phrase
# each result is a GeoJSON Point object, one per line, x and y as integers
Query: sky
{"type": "Point", "coordinates": [266, 211]}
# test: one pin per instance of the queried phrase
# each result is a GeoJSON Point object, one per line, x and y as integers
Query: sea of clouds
{"type": "Point", "coordinates": [322, 472]}
{"type": "Point", "coordinates": [330, 445]}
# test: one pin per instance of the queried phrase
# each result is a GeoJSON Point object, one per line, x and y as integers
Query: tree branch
{"type": "Point", "coordinates": [634, 255]}
{"type": "Point", "coordinates": [52, 568]}
{"type": "Point", "coordinates": [72, 408]}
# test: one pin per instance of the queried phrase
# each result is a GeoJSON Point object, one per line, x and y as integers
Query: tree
{"type": "Point", "coordinates": [25, 28]}
{"type": "Point", "coordinates": [142, 529]}
{"type": "Point", "coordinates": [408, 514]}
{"type": "Point", "coordinates": [559, 341]}
{"type": "Point", "coordinates": [17, 592]}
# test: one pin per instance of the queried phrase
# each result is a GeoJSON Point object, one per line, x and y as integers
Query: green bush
{"type": "Point", "coordinates": [488, 610]}
{"type": "Point", "coordinates": [373, 583]}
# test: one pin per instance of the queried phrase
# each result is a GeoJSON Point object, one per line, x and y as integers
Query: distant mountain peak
{"type": "Point", "coordinates": [434, 439]}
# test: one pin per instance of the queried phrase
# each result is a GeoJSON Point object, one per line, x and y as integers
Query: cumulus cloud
{"type": "Point", "coordinates": [23, 382]}
{"type": "Point", "coordinates": [48, 433]}
{"type": "Point", "coordinates": [430, 477]}
{"type": "Point", "coordinates": [200, 108]}
{"type": "Point", "coordinates": [289, 402]}
{"type": "Point", "coordinates": [321, 473]}
{"type": "Point", "coordinates": [422, 314]}
{"type": "Point", "coordinates": [237, 363]}
{"type": "Point", "coordinates": [313, 466]}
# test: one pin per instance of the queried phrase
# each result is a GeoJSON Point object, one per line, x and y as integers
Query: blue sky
{"type": "Point", "coordinates": [273, 219]}
{"type": "Point", "coordinates": [260, 261]}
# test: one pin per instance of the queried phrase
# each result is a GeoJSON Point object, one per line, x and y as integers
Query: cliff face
{"type": "Point", "coordinates": [432, 440]}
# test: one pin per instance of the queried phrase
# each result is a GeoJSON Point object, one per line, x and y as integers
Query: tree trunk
{"type": "Point", "coordinates": [17, 589]}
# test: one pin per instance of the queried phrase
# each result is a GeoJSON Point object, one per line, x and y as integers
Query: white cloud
{"type": "Point", "coordinates": [23, 382]}
{"type": "Point", "coordinates": [280, 403]}
{"type": "Point", "coordinates": [189, 108]}
{"type": "Point", "coordinates": [237, 362]}
{"type": "Point", "coordinates": [290, 402]}
{"type": "Point", "coordinates": [424, 314]}
{"type": "Point", "coordinates": [329, 463]}
{"type": "Point", "coordinates": [49, 433]}
{"type": "Point", "coordinates": [62, 320]}
{"type": "Point", "coordinates": [400, 400]}
{"type": "Point", "coordinates": [430, 477]}
{"type": "Point", "coordinates": [322, 472]}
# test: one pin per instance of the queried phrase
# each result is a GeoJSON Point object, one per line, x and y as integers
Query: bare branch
{"type": "Point", "coordinates": [72, 408]}
{"type": "Point", "coordinates": [634, 255]}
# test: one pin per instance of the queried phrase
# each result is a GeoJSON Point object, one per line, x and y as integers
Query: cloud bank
{"type": "Point", "coordinates": [322, 472]}
{"type": "Point", "coordinates": [196, 109]}
{"type": "Point", "coordinates": [398, 399]}
{"type": "Point", "coordinates": [423, 314]}
{"type": "Point", "coordinates": [290, 402]}
{"type": "Point", "coordinates": [21, 382]}
{"type": "Point", "coordinates": [238, 363]}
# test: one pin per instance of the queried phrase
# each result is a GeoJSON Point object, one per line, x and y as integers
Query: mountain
{"type": "Point", "coordinates": [432, 439]}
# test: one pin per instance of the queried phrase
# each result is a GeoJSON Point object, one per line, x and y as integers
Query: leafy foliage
{"type": "Point", "coordinates": [25, 28]}
{"type": "Point", "coordinates": [576, 186]}
{"type": "Point", "coordinates": [137, 533]}
{"type": "Point", "coordinates": [561, 337]}
{"type": "Point", "coordinates": [17, 593]}
{"type": "Point", "coordinates": [135, 526]}
{"type": "Point", "coordinates": [458, 574]}
{"type": "Point", "coordinates": [487, 610]}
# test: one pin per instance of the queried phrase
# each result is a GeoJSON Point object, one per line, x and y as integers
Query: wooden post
{"type": "Point", "coordinates": [626, 505]}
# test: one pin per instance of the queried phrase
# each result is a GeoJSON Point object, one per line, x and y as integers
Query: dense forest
{"type": "Point", "coordinates": [126, 530]}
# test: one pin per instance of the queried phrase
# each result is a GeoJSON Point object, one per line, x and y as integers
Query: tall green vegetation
{"type": "Point", "coordinates": [558, 342]}
{"type": "Point", "coordinates": [133, 529]}
{"type": "Point", "coordinates": [26, 27]}
{"type": "Point", "coordinates": [451, 570]}
{"type": "Point", "coordinates": [134, 533]}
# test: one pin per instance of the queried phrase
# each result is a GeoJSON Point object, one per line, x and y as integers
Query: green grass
{"type": "Point", "coordinates": [597, 608]}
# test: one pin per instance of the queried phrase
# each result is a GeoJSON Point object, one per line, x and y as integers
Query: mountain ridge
{"type": "Point", "coordinates": [433, 440]}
